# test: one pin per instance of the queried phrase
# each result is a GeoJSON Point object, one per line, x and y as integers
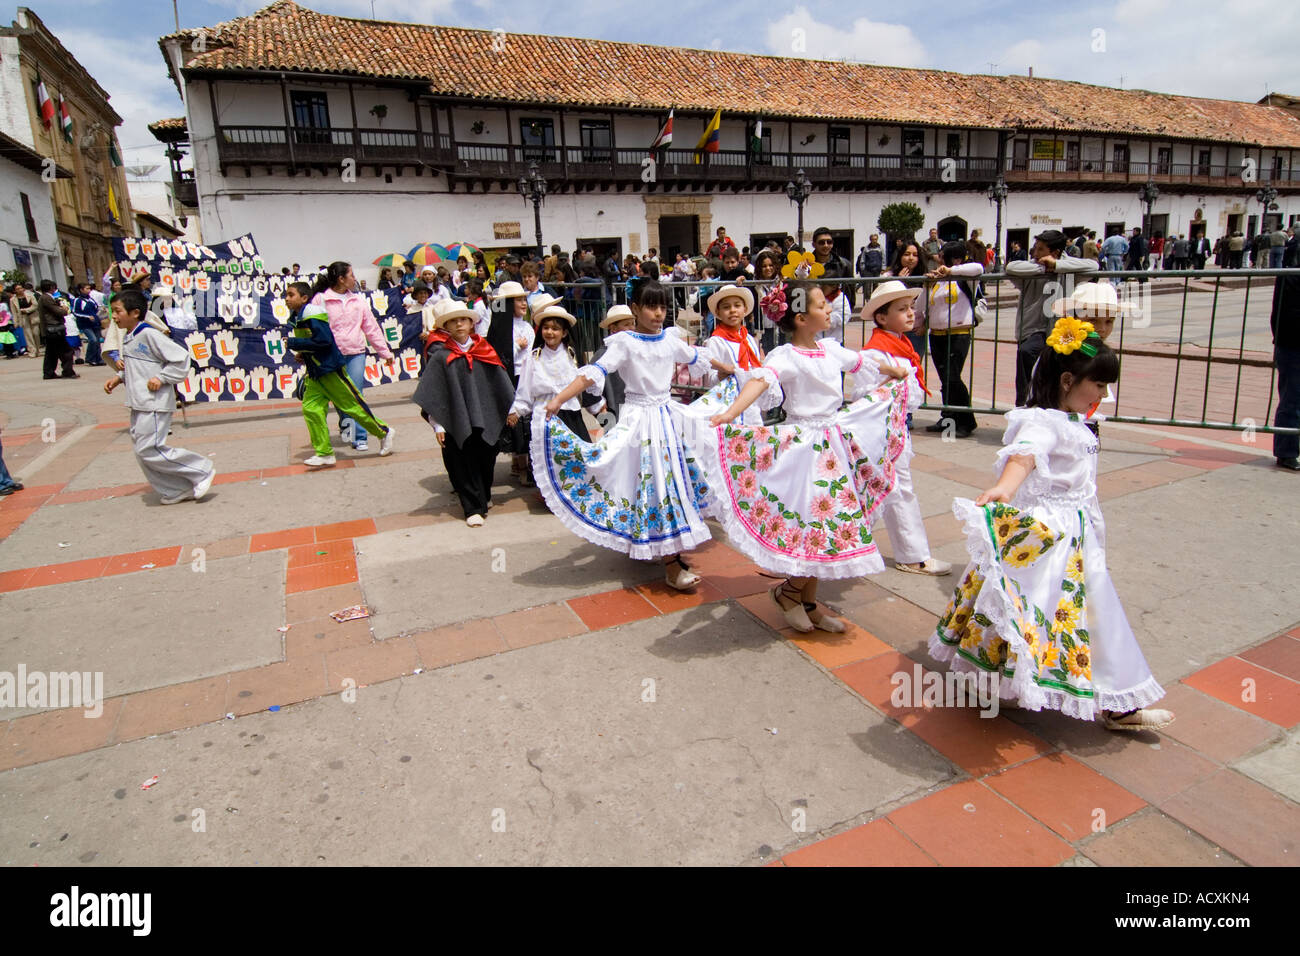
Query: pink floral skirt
{"type": "Point", "coordinates": [800, 498]}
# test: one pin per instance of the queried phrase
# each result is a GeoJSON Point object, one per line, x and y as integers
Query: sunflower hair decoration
{"type": "Point", "coordinates": [773, 303]}
{"type": "Point", "coordinates": [801, 265]}
{"type": "Point", "coordinates": [1071, 335]}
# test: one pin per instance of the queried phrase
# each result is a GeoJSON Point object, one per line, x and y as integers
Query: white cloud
{"type": "Point", "coordinates": [1018, 58]}
{"type": "Point", "coordinates": [798, 34]}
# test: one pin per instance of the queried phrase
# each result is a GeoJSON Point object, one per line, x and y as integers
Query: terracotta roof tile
{"type": "Point", "coordinates": [568, 71]}
{"type": "Point", "coordinates": [175, 122]}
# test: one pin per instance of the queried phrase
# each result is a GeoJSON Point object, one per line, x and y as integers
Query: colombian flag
{"type": "Point", "coordinates": [709, 141]}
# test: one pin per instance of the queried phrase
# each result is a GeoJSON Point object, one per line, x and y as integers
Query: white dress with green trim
{"type": "Point", "coordinates": [639, 489]}
{"type": "Point", "coordinates": [799, 498]}
{"type": "Point", "coordinates": [1036, 604]}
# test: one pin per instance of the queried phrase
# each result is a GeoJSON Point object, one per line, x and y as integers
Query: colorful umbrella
{"type": "Point", "coordinates": [429, 254]}
{"type": "Point", "coordinates": [458, 249]}
{"type": "Point", "coordinates": [390, 259]}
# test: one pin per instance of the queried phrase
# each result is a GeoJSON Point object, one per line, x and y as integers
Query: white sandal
{"type": "Point", "coordinates": [1139, 720]}
{"type": "Point", "coordinates": [682, 579]}
{"type": "Point", "coordinates": [929, 566]}
{"type": "Point", "coordinates": [821, 620]}
{"type": "Point", "coordinates": [795, 615]}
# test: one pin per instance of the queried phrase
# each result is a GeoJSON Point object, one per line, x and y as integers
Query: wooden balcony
{"type": "Point", "coordinates": [579, 166]}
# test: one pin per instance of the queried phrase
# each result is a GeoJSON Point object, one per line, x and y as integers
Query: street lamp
{"type": "Point", "coordinates": [533, 187]}
{"type": "Point", "coordinates": [799, 191]}
{"type": "Point", "coordinates": [997, 193]}
{"type": "Point", "coordinates": [1149, 193]}
{"type": "Point", "coordinates": [1266, 196]}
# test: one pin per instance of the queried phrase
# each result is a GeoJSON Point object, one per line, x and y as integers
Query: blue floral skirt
{"type": "Point", "coordinates": [638, 490]}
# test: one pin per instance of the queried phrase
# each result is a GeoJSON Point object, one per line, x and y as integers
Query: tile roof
{"type": "Point", "coordinates": [463, 63]}
{"type": "Point", "coordinates": [175, 122]}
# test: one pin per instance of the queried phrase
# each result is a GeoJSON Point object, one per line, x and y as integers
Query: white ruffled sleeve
{"type": "Point", "coordinates": [684, 353]}
{"type": "Point", "coordinates": [1030, 431]}
{"type": "Point", "coordinates": [868, 377]}
{"type": "Point", "coordinates": [849, 361]}
{"type": "Point", "coordinates": [524, 398]}
{"type": "Point", "coordinates": [613, 359]}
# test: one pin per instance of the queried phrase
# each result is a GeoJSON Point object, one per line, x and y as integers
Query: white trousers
{"type": "Point", "coordinates": [902, 514]}
{"type": "Point", "coordinates": [171, 471]}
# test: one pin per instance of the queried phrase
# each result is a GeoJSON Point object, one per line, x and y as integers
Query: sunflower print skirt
{"type": "Point", "coordinates": [1036, 606]}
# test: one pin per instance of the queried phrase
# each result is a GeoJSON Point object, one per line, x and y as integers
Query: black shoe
{"type": "Point", "coordinates": [965, 432]}
{"type": "Point", "coordinates": [79, 362]}
{"type": "Point", "coordinates": [938, 426]}
{"type": "Point", "coordinates": [1290, 464]}
{"type": "Point", "coordinates": [69, 375]}
{"type": "Point", "coordinates": [10, 490]}
{"type": "Point", "coordinates": [50, 376]}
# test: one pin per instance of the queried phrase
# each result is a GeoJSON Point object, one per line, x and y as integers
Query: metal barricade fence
{"type": "Point", "coordinates": [1172, 372]}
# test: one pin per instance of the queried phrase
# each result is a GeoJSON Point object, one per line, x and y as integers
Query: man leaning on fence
{"type": "Point", "coordinates": [1285, 321]}
{"type": "Point", "coordinates": [1039, 287]}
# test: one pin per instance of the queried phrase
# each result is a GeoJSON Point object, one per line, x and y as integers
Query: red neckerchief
{"type": "Point", "coordinates": [435, 335]}
{"type": "Point", "coordinates": [479, 350]}
{"type": "Point", "coordinates": [897, 345]}
{"type": "Point", "coordinates": [740, 337]}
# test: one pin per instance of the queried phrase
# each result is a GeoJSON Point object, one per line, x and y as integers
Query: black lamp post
{"type": "Point", "coordinates": [533, 187]}
{"type": "Point", "coordinates": [997, 193]}
{"type": "Point", "coordinates": [1149, 193]}
{"type": "Point", "coordinates": [1266, 196]}
{"type": "Point", "coordinates": [799, 191]}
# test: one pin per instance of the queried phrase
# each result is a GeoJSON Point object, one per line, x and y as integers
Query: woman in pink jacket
{"type": "Point", "coordinates": [353, 323]}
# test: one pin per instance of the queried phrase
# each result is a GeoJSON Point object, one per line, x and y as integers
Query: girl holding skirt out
{"type": "Point", "coordinates": [799, 498]}
{"type": "Point", "coordinates": [639, 489]}
{"type": "Point", "coordinates": [1036, 605]}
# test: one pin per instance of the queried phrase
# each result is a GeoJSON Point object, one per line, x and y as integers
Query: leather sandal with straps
{"type": "Point", "coordinates": [682, 578]}
{"type": "Point", "coordinates": [795, 615]}
{"type": "Point", "coordinates": [821, 620]}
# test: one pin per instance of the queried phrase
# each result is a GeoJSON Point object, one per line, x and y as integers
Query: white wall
{"type": "Point", "coordinates": [46, 259]}
{"type": "Point", "coordinates": [14, 121]}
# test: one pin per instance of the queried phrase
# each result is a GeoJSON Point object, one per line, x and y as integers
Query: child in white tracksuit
{"type": "Point", "coordinates": [154, 364]}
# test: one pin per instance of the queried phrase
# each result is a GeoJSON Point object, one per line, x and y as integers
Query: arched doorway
{"type": "Point", "coordinates": [952, 228]}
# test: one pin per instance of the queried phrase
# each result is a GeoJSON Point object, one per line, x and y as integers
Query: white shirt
{"type": "Point", "coordinates": [524, 336]}
{"type": "Point", "coordinates": [947, 306]}
{"type": "Point", "coordinates": [484, 317]}
{"type": "Point", "coordinates": [871, 376]}
{"type": "Point", "coordinates": [646, 363]}
{"type": "Point", "coordinates": [841, 313]}
{"type": "Point", "coordinates": [728, 353]}
{"type": "Point", "coordinates": [812, 379]}
{"type": "Point", "coordinates": [545, 373]}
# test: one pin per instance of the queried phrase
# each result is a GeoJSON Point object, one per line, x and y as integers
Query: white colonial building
{"type": "Point", "coordinates": [329, 138]}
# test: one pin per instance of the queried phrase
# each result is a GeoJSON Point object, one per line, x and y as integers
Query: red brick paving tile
{"type": "Point", "coordinates": [1245, 818]}
{"type": "Point", "coordinates": [834, 650]}
{"type": "Point", "coordinates": [969, 825]}
{"type": "Point", "coordinates": [1065, 795]}
{"type": "Point", "coordinates": [69, 571]}
{"type": "Point", "coordinates": [31, 491]}
{"type": "Point", "coordinates": [230, 477]}
{"type": "Point", "coordinates": [1277, 698]}
{"type": "Point", "coordinates": [1155, 771]}
{"type": "Point", "coordinates": [313, 605]}
{"type": "Point", "coordinates": [213, 550]}
{"type": "Point", "coordinates": [372, 663]}
{"type": "Point", "coordinates": [21, 503]}
{"type": "Point", "coordinates": [599, 611]}
{"type": "Point", "coordinates": [323, 635]}
{"type": "Point", "coordinates": [762, 607]}
{"type": "Point", "coordinates": [345, 529]}
{"type": "Point", "coordinates": [286, 682]}
{"type": "Point", "coordinates": [286, 470]}
{"type": "Point", "coordinates": [320, 576]}
{"type": "Point", "coordinates": [1211, 727]}
{"type": "Point", "coordinates": [716, 557]}
{"type": "Point", "coordinates": [464, 642]}
{"type": "Point", "coordinates": [538, 625]}
{"type": "Point", "coordinates": [895, 620]}
{"type": "Point", "coordinates": [128, 563]}
{"type": "Point", "coordinates": [741, 582]}
{"type": "Point", "coordinates": [1153, 839]}
{"type": "Point", "coordinates": [57, 733]}
{"type": "Point", "coordinates": [977, 744]}
{"type": "Point", "coordinates": [164, 709]}
{"type": "Point", "coordinates": [1281, 655]}
{"type": "Point", "coordinates": [325, 552]}
{"type": "Point", "coordinates": [15, 580]}
{"type": "Point", "coordinates": [667, 600]}
{"type": "Point", "coordinates": [1207, 464]}
{"type": "Point", "coordinates": [878, 843]}
{"type": "Point", "coordinates": [281, 539]}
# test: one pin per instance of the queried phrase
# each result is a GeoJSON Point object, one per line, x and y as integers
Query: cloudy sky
{"type": "Point", "coordinates": [1196, 47]}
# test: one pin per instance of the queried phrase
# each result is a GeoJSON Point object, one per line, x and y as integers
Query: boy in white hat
{"type": "Point", "coordinates": [737, 355]}
{"type": "Point", "coordinates": [465, 394]}
{"type": "Point", "coordinates": [892, 309]}
{"type": "Point", "coordinates": [619, 318]}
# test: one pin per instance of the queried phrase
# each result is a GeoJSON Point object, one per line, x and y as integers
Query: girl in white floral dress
{"type": "Point", "coordinates": [638, 489]}
{"type": "Point", "coordinates": [1036, 605]}
{"type": "Point", "coordinates": [799, 498]}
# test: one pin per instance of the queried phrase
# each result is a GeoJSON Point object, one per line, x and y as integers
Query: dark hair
{"type": "Point", "coordinates": [731, 252]}
{"type": "Point", "coordinates": [904, 245]}
{"type": "Point", "coordinates": [1054, 239]}
{"type": "Point", "coordinates": [954, 252]}
{"type": "Point", "coordinates": [648, 293]}
{"type": "Point", "coordinates": [786, 321]}
{"type": "Point", "coordinates": [767, 255]}
{"type": "Point", "coordinates": [48, 285]}
{"type": "Point", "coordinates": [474, 289]}
{"type": "Point", "coordinates": [650, 270]}
{"type": "Point", "coordinates": [539, 343]}
{"type": "Point", "coordinates": [419, 285]}
{"type": "Point", "coordinates": [1045, 388]}
{"type": "Point", "coordinates": [330, 277]}
{"type": "Point", "coordinates": [302, 288]}
{"type": "Point", "coordinates": [820, 231]}
{"type": "Point", "coordinates": [132, 300]}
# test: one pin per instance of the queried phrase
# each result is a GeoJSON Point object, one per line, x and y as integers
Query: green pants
{"type": "Point", "coordinates": [335, 387]}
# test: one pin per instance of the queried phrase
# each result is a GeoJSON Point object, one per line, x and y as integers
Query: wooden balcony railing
{"type": "Point", "coordinates": [299, 146]}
